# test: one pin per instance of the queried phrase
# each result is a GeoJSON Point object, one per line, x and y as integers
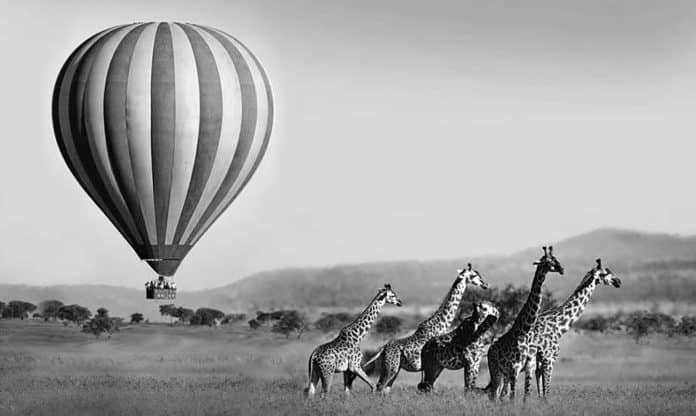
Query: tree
{"type": "Point", "coordinates": [184, 314]}
{"type": "Point", "coordinates": [206, 316]}
{"type": "Point", "coordinates": [289, 322]}
{"type": "Point", "coordinates": [18, 309]}
{"type": "Point", "coordinates": [167, 310]}
{"type": "Point", "coordinates": [101, 323]}
{"type": "Point", "coordinates": [388, 325]}
{"type": "Point", "coordinates": [49, 309]}
{"type": "Point", "coordinates": [137, 318]}
{"type": "Point", "coordinates": [74, 313]}
{"type": "Point", "coordinates": [254, 324]}
{"type": "Point", "coordinates": [233, 317]}
{"type": "Point", "coordinates": [333, 321]}
{"type": "Point", "coordinates": [2, 307]}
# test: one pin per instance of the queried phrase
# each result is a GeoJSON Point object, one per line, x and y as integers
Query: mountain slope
{"type": "Point", "coordinates": [653, 266]}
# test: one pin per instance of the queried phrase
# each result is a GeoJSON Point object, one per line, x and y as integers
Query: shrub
{"type": "Point", "coordinates": [49, 308]}
{"type": "Point", "coordinates": [73, 313]}
{"type": "Point", "coordinates": [687, 326]}
{"type": "Point", "coordinates": [333, 321]}
{"type": "Point", "coordinates": [102, 323]}
{"type": "Point", "coordinates": [18, 309]}
{"type": "Point", "coordinates": [233, 317]}
{"type": "Point", "coordinates": [254, 324]}
{"type": "Point", "coordinates": [206, 316]}
{"type": "Point", "coordinates": [388, 325]}
{"type": "Point", "coordinates": [137, 318]}
{"type": "Point", "coordinates": [289, 322]}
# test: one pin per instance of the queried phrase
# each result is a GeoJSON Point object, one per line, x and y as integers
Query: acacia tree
{"type": "Point", "coordinates": [137, 318]}
{"type": "Point", "coordinates": [74, 313]}
{"type": "Point", "coordinates": [18, 309]}
{"type": "Point", "coordinates": [206, 316]}
{"type": "Point", "coordinates": [101, 323]}
{"type": "Point", "coordinates": [289, 322]}
{"type": "Point", "coordinates": [49, 309]}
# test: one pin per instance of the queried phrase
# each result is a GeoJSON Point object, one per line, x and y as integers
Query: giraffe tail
{"type": "Point", "coordinates": [374, 358]}
{"type": "Point", "coordinates": [310, 370]}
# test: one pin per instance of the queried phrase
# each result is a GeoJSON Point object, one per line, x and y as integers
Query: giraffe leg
{"type": "Point", "coordinates": [391, 363]}
{"type": "Point", "coordinates": [496, 383]}
{"type": "Point", "coordinates": [348, 378]}
{"type": "Point", "coordinates": [467, 377]}
{"type": "Point", "coordinates": [537, 375]}
{"type": "Point", "coordinates": [358, 371]}
{"type": "Point", "coordinates": [473, 378]}
{"type": "Point", "coordinates": [326, 378]}
{"type": "Point", "coordinates": [546, 376]}
{"type": "Point", "coordinates": [512, 379]}
{"type": "Point", "coordinates": [527, 378]}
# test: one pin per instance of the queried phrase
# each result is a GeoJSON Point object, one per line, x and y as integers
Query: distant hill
{"type": "Point", "coordinates": [653, 266]}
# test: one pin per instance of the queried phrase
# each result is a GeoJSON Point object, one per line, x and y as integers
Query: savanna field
{"type": "Point", "coordinates": [157, 369]}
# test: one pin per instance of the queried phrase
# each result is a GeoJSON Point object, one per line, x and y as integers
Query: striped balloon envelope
{"type": "Point", "coordinates": [163, 124]}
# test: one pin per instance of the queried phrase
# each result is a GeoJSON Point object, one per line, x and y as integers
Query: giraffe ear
{"type": "Point", "coordinates": [599, 263]}
{"type": "Point", "coordinates": [469, 266]}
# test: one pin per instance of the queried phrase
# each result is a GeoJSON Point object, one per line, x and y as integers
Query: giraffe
{"type": "Point", "coordinates": [461, 348]}
{"type": "Point", "coordinates": [342, 354]}
{"type": "Point", "coordinates": [552, 324]}
{"type": "Point", "coordinates": [405, 353]}
{"type": "Point", "coordinates": [507, 354]}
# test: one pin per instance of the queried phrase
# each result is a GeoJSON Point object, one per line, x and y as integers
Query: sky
{"type": "Point", "coordinates": [403, 130]}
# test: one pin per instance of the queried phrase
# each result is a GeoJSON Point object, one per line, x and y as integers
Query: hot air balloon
{"type": "Point", "coordinates": [163, 125]}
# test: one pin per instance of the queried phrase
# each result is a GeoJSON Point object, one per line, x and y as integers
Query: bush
{"type": "Point", "coordinates": [17, 309]}
{"type": "Point", "coordinates": [254, 324]}
{"type": "Point", "coordinates": [233, 317]}
{"type": "Point", "coordinates": [289, 322]}
{"type": "Point", "coordinates": [206, 316]}
{"type": "Point", "coordinates": [687, 326]}
{"type": "Point", "coordinates": [73, 313]}
{"type": "Point", "coordinates": [333, 321]}
{"type": "Point", "coordinates": [388, 325]}
{"type": "Point", "coordinates": [137, 318]}
{"type": "Point", "coordinates": [596, 323]}
{"type": "Point", "coordinates": [642, 324]}
{"type": "Point", "coordinates": [102, 323]}
{"type": "Point", "coordinates": [49, 308]}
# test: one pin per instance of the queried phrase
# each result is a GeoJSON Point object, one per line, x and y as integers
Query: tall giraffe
{"type": "Point", "coordinates": [552, 324]}
{"type": "Point", "coordinates": [459, 349]}
{"type": "Point", "coordinates": [342, 354]}
{"type": "Point", "coordinates": [405, 353]}
{"type": "Point", "coordinates": [508, 353]}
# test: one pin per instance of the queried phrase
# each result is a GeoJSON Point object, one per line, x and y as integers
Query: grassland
{"type": "Point", "coordinates": [48, 369]}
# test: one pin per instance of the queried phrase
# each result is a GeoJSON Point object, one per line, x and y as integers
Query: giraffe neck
{"type": "Point", "coordinates": [443, 317]}
{"type": "Point", "coordinates": [356, 330]}
{"type": "Point", "coordinates": [571, 310]}
{"type": "Point", "coordinates": [527, 316]}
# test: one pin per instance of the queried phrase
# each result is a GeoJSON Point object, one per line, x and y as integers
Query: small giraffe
{"type": "Point", "coordinates": [552, 324]}
{"type": "Point", "coordinates": [461, 348]}
{"type": "Point", "coordinates": [405, 353]}
{"type": "Point", "coordinates": [508, 353]}
{"type": "Point", "coordinates": [342, 354]}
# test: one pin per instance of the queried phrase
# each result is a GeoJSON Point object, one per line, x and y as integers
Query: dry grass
{"type": "Point", "coordinates": [47, 369]}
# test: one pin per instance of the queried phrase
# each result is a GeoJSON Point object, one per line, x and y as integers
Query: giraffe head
{"type": "Point", "coordinates": [548, 262]}
{"type": "Point", "coordinates": [483, 310]}
{"type": "Point", "coordinates": [389, 295]}
{"type": "Point", "coordinates": [471, 277]}
{"type": "Point", "coordinates": [604, 275]}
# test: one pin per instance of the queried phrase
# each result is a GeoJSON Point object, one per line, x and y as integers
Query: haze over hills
{"type": "Point", "coordinates": [653, 267]}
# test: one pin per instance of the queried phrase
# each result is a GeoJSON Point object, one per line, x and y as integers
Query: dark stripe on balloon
{"type": "Point", "coordinates": [82, 146]}
{"type": "Point", "coordinates": [246, 133]}
{"type": "Point", "coordinates": [116, 128]}
{"type": "Point", "coordinates": [209, 127]}
{"type": "Point", "coordinates": [58, 129]}
{"type": "Point", "coordinates": [269, 118]}
{"type": "Point", "coordinates": [163, 119]}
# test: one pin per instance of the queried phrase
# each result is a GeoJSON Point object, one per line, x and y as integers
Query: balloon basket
{"type": "Point", "coordinates": [160, 294]}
